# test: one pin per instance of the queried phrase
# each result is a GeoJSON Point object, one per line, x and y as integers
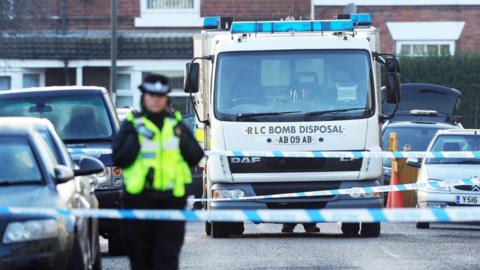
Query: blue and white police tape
{"type": "Point", "coordinates": [433, 184]}
{"type": "Point", "coordinates": [348, 154]}
{"type": "Point", "coordinates": [452, 214]}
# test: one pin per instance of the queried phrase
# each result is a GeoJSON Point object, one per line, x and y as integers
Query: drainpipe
{"type": "Point", "coordinates": [113, 53]}
{"type": "Point", "coordinates": [312, 9]}
{"type": "Point", "coordinates": [65, 72]}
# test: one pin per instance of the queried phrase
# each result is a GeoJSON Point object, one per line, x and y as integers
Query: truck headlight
{"type": "Point", "coordinates": [30, 230]}
{"type": "Point", "coordinates": [227, 193]}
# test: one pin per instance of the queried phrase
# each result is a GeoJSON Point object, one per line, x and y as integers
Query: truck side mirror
{"type": "Point", "coordinates": [192, 79]}
{"type": "Point", "coordinates": [393, 88]}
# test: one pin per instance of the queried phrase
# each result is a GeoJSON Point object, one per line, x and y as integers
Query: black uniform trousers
{"type": "Point", "coordinates": [153, 244]}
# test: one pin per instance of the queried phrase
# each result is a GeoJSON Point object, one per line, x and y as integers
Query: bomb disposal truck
{"type": "Point", "coordinates": [290, 86]}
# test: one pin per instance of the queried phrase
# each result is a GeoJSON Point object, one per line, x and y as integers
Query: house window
{"type": "Point", "coordinates": [124, 90]}
{"type": "Point", "coordinates": [419, 49]}
{"type": "Point", "coordinates": [428, 39]}
{"type": "Point", "coordinates": [31, 80]}
{"type": "Point", "coordinates": [170, 4]}
{"type": "Point", "coordinates": [5, 82]}
{"type": "Point", "coordinates": [180, 100]}
{"type": "Point", "coordinates": [169, 13]}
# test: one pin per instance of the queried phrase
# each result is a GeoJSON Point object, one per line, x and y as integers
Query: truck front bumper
{"type": "Point", "coordinates": [323, 202]}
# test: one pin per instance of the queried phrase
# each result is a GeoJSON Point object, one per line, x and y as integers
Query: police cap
{"type": "Point", "coordinates": [155, 84]}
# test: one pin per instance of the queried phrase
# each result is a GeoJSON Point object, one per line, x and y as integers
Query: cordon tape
{"type": "Point", "coordinates": [433, 184]}
{"type": "Point", "coordinates": [452, 214]}
{"type": "Point", "coordinates": [347, 154]}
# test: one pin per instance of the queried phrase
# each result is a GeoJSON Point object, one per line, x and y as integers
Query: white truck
{"type": "Point", "coordinates": [290, 86]}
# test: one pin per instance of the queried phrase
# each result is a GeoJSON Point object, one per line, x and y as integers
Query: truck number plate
{"type": "Point", "coordinates": [467, 199]}
{"type": "Point", "coordinates": [294, 139]}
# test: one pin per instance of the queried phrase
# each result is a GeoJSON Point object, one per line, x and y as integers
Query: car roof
{"type": "Point", "coordinates": [7, 129]}
{"type": "Point", "coordinates": [459, 132]}
{"type": "Point", "coordinates": [53, 91]}
{"type": "Point", "coordinates": [37, 123]}
{"type": "Point", "coordinates": [421, 124]}
{"type": "Point", "coordinates": [429, 86]}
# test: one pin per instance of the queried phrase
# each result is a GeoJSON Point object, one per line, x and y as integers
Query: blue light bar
{"type": "Point", "coordinates": [292, 26]}
{"type": "Point", "coordinates": [335, 26]}
{"type": "Point", "coordinates": [361, 19]}
{"type": "Point", "coordinates": [211, 22]}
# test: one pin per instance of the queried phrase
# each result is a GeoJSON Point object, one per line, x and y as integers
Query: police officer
{"type": "Point", "coordinates": [156, 151]}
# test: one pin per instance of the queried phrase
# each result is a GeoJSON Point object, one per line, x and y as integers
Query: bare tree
{"type": "Point", "coordinates": [20, 16]}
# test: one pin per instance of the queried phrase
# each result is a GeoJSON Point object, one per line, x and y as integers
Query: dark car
{"type": "Point", "coordinates": [31, 177]}
{"type": "Point", "coordinates": [411, 136]}
{"type": "Point", "coordinates": [425, 102]}
{"type": "Point", "coordinates": [86, 120]}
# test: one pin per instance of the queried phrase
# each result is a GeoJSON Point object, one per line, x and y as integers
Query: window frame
{"type": "Point", "coordinates": [399, 43]}
{"type": "Point", "coordinates": [125, 92]}
{"type": "Point", "coordinates": [169, 17]}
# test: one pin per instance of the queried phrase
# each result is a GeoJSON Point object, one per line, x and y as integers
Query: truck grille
{"type": "Point", "coordinates": [291, 165]}
{"type": "Point", "coordinates": [468, 188]}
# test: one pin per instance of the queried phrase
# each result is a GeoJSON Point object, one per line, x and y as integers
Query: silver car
{"type": "Point", "coordinates": [441, 169]}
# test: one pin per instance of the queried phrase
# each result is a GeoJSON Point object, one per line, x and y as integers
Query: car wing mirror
{"type": "Point", "coordinates": [414, 162]}
{"type": "Point", "coordinates": [89, 165]}
{"type": "Point", "coordinates": [63, 174]}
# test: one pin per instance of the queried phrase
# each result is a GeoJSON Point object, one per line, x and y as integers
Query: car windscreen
{"type": "Point", "coordinates": [317, 84]}
{"type": "Point", "coordinates": [76, 118]}
{"type": "Point", "coordinates": [410, 138]}
{"type": "Point", "coordinates": [17, 162]}
{"type": "Point", "coordinates": [423, 99]}
{"type": "Point", "coordinates": [455, 143]}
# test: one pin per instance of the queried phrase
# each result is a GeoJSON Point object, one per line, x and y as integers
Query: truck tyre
{"type": "Point", "coordinates": [370, 229]}
{"type": "Point", "coordinates": [225, 229]}
{"type": "Point", "coordinates": [350, 229]}
{"type": "Point", "coordinates": [76, 259]}
{"type": "Point", "coordinates": [115, 244]}
{"type": "Point", "coordinates": [423, 225]}
{"type": "Point", "coordinates": [208, 228]}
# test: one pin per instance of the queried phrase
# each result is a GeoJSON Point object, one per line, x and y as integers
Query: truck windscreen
{"type": "Point", "coordinates": [76, 118]}
{"type": "Point", "coordinates": [313, 85]}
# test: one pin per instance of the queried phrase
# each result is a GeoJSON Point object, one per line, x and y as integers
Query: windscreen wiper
{"type": "Point", "coordinates": [470, 161]}
{"type": "Point", "coordinates": [309, 114]}
{"type": "Point", "coordinates": [248, 115]}
{"type": "Point", "coordinates": [18, 183]}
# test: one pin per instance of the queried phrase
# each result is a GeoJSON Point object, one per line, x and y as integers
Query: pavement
{"type": "Point", "coordinates": [262, 247]}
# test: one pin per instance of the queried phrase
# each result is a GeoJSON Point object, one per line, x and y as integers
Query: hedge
{"type": "Point", "coordinates": [461, 72]}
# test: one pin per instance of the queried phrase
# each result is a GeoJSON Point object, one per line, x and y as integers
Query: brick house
{"type": "Point", "coordinates": [71, 45]}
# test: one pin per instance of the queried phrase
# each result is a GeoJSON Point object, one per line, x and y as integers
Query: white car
{"type": "Point", "coordinates": [442, 169]}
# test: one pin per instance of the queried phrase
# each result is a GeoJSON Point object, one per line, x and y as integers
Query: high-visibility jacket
{"type": "Point", "coordinates": [159, 164]}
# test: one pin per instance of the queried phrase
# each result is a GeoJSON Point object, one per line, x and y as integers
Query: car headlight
{"type": "Point", "coordinates": [30, 230]}
{"type": "Point", "coordinates": [103, 177]}
{"type": "Point", "coordinates": [435, 186]}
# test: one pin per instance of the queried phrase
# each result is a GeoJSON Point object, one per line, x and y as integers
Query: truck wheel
{"type": "Point", "coordinates": [208, 228]}
{"type": "Point", "coordinates": [350, 229]}
{"type": "Point", "coordinates": [370, 229]}
{"type": "Point", "coordinates": [225, 229]}
{"type": "Point", "coordinates": [423, 225]}
{"type": "Point", "coordinates": [76, 260]}
{"type": "Point", "coordinates": [97, 263]}
{"type": "Point", "coordinates": [115, 244]}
